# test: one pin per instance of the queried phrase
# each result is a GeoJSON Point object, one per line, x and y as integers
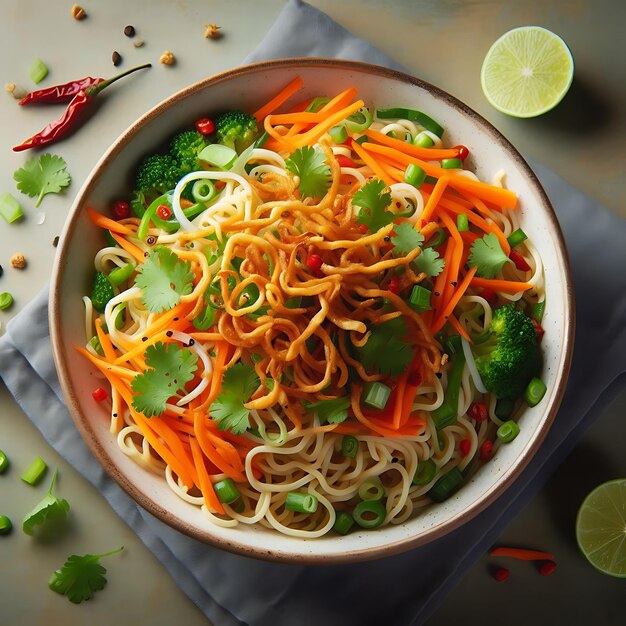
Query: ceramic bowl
{"type": "Point", "coordinates": [248, 87]}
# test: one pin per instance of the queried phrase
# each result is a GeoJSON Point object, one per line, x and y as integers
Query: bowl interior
{"type": "Point", "coordinates": [247, 88]}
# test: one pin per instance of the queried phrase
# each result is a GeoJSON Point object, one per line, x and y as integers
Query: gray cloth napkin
{"type": "Point", "coordinates": [283, 595]}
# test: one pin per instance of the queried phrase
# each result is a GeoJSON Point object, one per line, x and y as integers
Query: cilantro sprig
{"type": "Point", "coordinates": [47, 514]}
{"type": "Point", "coordinates": [80, 577]}
{"type": "Point", "coordinates": [387, 350]}
{"type": "Point", "coordinates": [163, 278]}
{"type": "Point", "coordinates": [310, 165]}
{"type": "Point", "coordinates": [429, 262]}
{"type": "Point", "coordinates": [170, 368]}
{"type": "Point", "coordinates": [373, 200]}
{"type": "Point", "coordinates": [42, 175]}
{"type": "Point", "coordinates": [228, 410]}
{"type": "Point", "coordinates": [487, 256]}
{"type": "Point", "coordinates": [331, 411]}
{"type": "Point", "coordinates": [406, 238]}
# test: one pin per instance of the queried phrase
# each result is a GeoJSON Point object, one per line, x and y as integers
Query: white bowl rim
{"type": "Point", "coordinates": [303, 556]}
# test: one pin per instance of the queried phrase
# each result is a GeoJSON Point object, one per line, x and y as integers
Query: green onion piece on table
{"type": "Point", "coordinates": [5, 525]}
{"type": "Point", "coordinates": [38, 71]}
{"type": "Point", "coordinates": [6, 300]}
{"type": "Point", "coordinates": [35, 472]}
{"type": "Point", "coordinates": [4, 462]}
{"type": "Point", "coordinates": [10, 208]}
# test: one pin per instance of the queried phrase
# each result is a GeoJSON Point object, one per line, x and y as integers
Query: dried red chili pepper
{"type": "Point", "coordinates": [60, 93]}
{"type": "Point", "coordinates": [82, 100]}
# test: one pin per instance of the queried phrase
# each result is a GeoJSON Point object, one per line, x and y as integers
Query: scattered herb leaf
{"type": "Point", "coordinates": [171, 368]}
{"type": "Point", "coordinates": [373, 201]}
{"type": "Point", "coordinates": [311, 167]}
{"type": "Point", "coordinates": [49, 511]}
{"type": "Point", "coordinates": [487, 256]}
{"type": "Point", "coordinates": [80, 577]}
{"type": "Point", "coordinates": [163, 277]}
{"type": "Point", "coordinates": [240, 382]}
{"type": "Point", "coordinates": [42, 175]}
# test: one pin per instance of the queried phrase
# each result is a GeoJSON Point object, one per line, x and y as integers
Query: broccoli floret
{"type": "Point", "coordinates": [158, 173]}
{"type": "Point", "coordinates": [185, 148]}
{"type": "Point", "coordinates": [236, 130]}
{"type": "Point", "coordinates": [510, 356]}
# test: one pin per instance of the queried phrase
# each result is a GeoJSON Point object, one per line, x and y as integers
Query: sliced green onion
{"type": "Point", "coordinates": [437, 239]}
{"type": "Point", "coordinates": [462, 222]}
{"type": "Point", "coordinates": [120, 318]}
{"type": "Point", "coordinates": [414, 175]}
{"type": "Point", "coordinates": [317, 104]}
{"type": "Point", "coordinates": [6, 300]}
{"type": "Point", "coordinates": [205, 319]}
{"type": "Point", "coordinates": [203, 190]}
{"type": "Point", "coordinates": [120, 274]}
{"type": "Point", "coordinates": [516, 237]}
{"type": "Point", "coordinates": [349, 446]}
{"type": "Point", "coordinates": [226, 491]}
{"type": "Point", "coordinates": [218, 155]}
{"type": "Point", "coordinates": [376, 394]}
{"type": "Point", "coordinates": [362, 139]}
{"type": "Point", "coordinates": [338, 134]}
{"type": "Point", "coordinates": [451, 164]}
{"type": "Point", "coordinates": [359, 121]}
{"type": "Point", "coordinates": [35, 472]}
{"type": "Point", "coordinates": [5, 525]}
{"type": "Point", "coordinates": [343, 523]}
{"type": "Point", "coordinates": [238, 506]}
{"type": "Point", "coordinates": [446, 486]}
{"type": "Point", "coordinates": [10, 208]}
{"type": "Point", "coordinates": [538, 310]}
{"type": "Point", "coordinates": [371, 489]}
{"type": "Point", "coordinates": [420, 299]}
{"type": "Point", "coordinates": [4, 462]}
{"type": "Point", "coordinates": [94, 342]}
{"type": "Point", "coordinates": [414, 116]}
{"type": "Point", "coordinates": [424, 472]}
{"type": "Point", "coordinates": [38, 71]}
{"type": "Point", "coordinates": [535, 391]}
{"type": "Point", "coordinates": [423, 140]}
{"type": "Point", "coordinates": [369, 513]}
{"type": "Point", "coordinates": [507, 431]}
{"type": "Point", "coordinates": [431, 180]}
{"type": "Point", "coordinates": [301, 502]}
{"type": "Point", "coordinates": [504, 408]}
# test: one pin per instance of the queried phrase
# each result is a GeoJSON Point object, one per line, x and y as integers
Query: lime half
{"type": "Point", "coordinates": [601, 528]}
{"type": "Point", "coordinates": [527, 72]}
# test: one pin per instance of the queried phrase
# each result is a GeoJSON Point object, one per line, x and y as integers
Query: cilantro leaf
{"type": "Point", "coordinates": [163, 277]}
{"type": "Point", "coordinates": [171, 368]}
{"type": "Point", "coordinates": [240, 382]}
{"type": "Point", "coordinates": [406, 238]}
{"type": "Point", "coordinates": [80, 577]}
{"type": "Point", "coordinates": [42, 175]}
{"type": "Point", "coordinates": [487, 255]}
{"type": "Point", "coordinates": [311, 167]}
{"type": "Point", "coordinates": [332, 411]}
{"type": "Point", "coordinates": [429, 262]}
{"type": "Point", "coordinates": [387, 350]}
{"type": "Point", "coordinates": [49, 512]}
{"type": "Point", "coordinates": [373, 201]}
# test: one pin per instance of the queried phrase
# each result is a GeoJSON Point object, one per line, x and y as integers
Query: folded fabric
{"type": "Point", "coordinates": [408, 586]}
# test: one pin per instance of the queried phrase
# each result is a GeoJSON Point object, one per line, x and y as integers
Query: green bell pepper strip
{"type": "Point", "coordinates": [447, 413]}
{"type": "Point", "coordinates": [447, 485]}
{"type": "Point", "coordinates": [400, 113]}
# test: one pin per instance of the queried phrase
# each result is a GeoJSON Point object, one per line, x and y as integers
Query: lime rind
{"type": "Point", "coordinates": [527, 72]}
{"type": "Point", "coordinates": [601, 528]}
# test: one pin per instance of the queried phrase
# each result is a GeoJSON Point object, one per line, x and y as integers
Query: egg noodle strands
{"type": "Point", "coordinates": [296, 287]}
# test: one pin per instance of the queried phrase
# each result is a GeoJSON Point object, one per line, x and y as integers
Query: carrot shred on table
{"type": "Point", "coordinates": [522, 554]}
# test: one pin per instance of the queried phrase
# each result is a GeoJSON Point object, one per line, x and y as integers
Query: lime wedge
{"type": "Point", "coordinates": [527, 72]}
{"type": "Point", "coordinates": [601, 528]}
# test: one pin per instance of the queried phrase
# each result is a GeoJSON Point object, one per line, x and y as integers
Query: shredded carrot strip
{"type": "Point", "coordinates": [371, 163]}
{"type": "Point", "coordinates": [459, 328]}
{"type": "Point", "coordinates": [211, 500]}
{"type": "Point", "coordinates": [311, 136]}
{"type": "Point", "coordinates": [105, 341]}
{"type": "Point", "coordinates": [428, 154]}
{"type": "Point", "coordinates": [522, 554]}
{"type": "Point", "coordinates": [282, 96]}
{"type": "Point", "coordinates": [105, 222]}
{"type": "Point", "coordinates": [449, 307]}
{"type": "Point", "coordinates": [131, 248]}
{"type": "Point", "coordinates": [436, 299]}
{"type": "Point", "coordinates": [397, 410]}
{"type": "Point", "coordinates": [507, 286]}
{"type": "Point", "coordinates": [434, 198]}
